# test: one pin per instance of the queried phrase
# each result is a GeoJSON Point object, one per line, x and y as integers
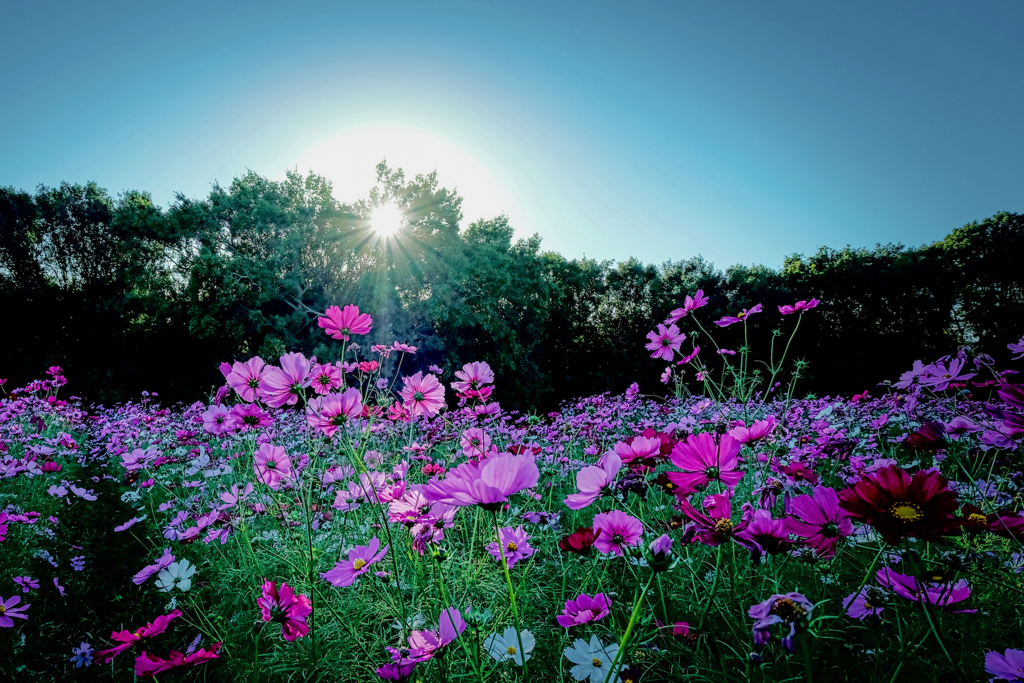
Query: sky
{"type": "Point", "coordinates": [740, 131]}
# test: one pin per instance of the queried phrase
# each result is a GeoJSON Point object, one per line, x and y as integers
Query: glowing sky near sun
{"type": "Point", "coordinates": [741, 131]}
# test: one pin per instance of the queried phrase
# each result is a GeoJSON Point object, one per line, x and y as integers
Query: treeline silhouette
{"type": "Point", "coordinates": [128, 296]}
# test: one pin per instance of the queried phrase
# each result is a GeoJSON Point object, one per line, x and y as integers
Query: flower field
{"type": "Point", "coordinates": [356, 521]}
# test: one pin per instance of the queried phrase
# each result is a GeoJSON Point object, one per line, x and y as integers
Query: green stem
{"type": "Point", "coordinates": [511, 596]}
{"type": "Point", "coordinates": [629, 629]}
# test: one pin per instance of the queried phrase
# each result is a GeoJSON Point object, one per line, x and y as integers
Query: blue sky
{"type": "Point", "coordinates": [742, 131]}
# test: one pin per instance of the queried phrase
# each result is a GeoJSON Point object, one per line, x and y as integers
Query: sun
{"type": "Point", "coordinates": [386, 219]}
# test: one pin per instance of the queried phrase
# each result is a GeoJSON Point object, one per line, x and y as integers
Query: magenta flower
{"type": "Point", "coordinates": [798, 307]}
{"type": "Point", "coordinates": [339, 323]}
{"type": "Point", "coordinates": [584, 610]}
{"type": "Point", "coordinates": [285, 385]}
{"type": "Point", "coordinates": [272, 465]}
{"type": "Point", "coordinates": [248, 378]}
{"type": "Point", "coordinates": [488, 485]}
{"type": "Point", "coordinates": [27, 583]}
{"type": "Point", "coordinates": [216, 420]}
{"type": "Point", "coordinates": [870, 601]}
{"type": "Point", "coordinates": [129, 638]}
{"type": "Point", "coordinates": [789, 609]}
{"type": "Point", "coordinates": [395, 671]}
{"type": "Point", "coordinates": [423, 645]}
{"type": "Point", "coordinates": [329, 412]}
{"type": "Point", "coordinates": [248, 416]}
{"type": "Point", "coordinates": [767, 534]}
{"type": "Point", "coordinates": [665, 342]}
{"type": "Point", "coordinates": [515, 546]}
{"type": "Point", "coordinates": [475, 443]}
{"type": "Point", "coordinates": [758, 430]}
{"type": "Point", "coordinates": [690, 304]}
{"type": "Point", "coordinates": [473, 377]}
{"type": "Point", "coordinates": [616, 531]}
{"type": "Point", "coordinates": [422, 395]}
{"type": "Point", "coordinates": [739, 317]}
{"type": "Point", "coordinates": [286, 608]}
{"type": "Point", "coordinates": [148, 664]}
{"type": "Point", "coordinates": [717, 526]}
{"type": "Point", "coordinates": [641, 453]}
{"type": "Point", "coordinates": [163, 562]}
{"type": "Point", "coordinates": [360, 559]}
{"type": "Point", "coordinates": [1016, 348]}
{"type": "Point", "coordinates": [912, 588]}
{"type": "Point", "coordinates": [819, 521]}
{"type": "Point", "coordinates": [703, 461]}
{"type": "Point", "coordinates": [324, 378]}
{"type": "Point", "coordinates": [939, 377]}
{"type": "Point", "coordinates": [1008, 666]}
{"type": "Point", "coordinates": [594, 479]}
{"type": "Point", "coordinates": [9, 610]}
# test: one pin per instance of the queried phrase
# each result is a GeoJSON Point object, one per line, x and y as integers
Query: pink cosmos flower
{"type": "Point", "coordinates": [870, 601]}
{"type": "Point", "coordinates": [488, 485]}
{"type": "Point", "coordinates": [329, 412]}
{"type": "Point", "coordinates": [404, 348]}
{"type": "Point", "coordinates": [422, 395]}
{"type": "Point", "coordinates": [339, 323]}
{"type": "Point", "coordinates": [594, 479]}
{"type": "Point", "coordinates": [758, 430]}
{"type": "Point", "coordinates": [1016, 348]}
{"type": "Point", "coordinates": [819, 521]}
{"type": "Point", "coordinates": [423, 645]}
{"type": "Point", "coordinates": [616, 531]}
{"type": "Point", "coordinates": [360, 559]}
{"type": "Point", "coordinates": [248, 378]}
{"type": "Point", "coordinates": [798, 307]}
{"type": "Point", "coordinates": [129, 638]}
{"type": "Point", "coordinates": [912, 588]}
{"type": "Point", "coordinates": [939, 376]}
{"type": "Point", "coordinates": [514, 545]}
{"type": "Point", "coordinates": [148, 664]}
{"type": "Point", "coordinates": [717, 526]}
{"type": "Point", "coordinates": [216, 420]}
{"type": "Point", "coordinates": [473, 377]}
{"type": "Point", "coordinates": [285, 385]}
{"type": "Point", "coordinates": [665, 342]}
{"type": "Point", "coordinates": [324, 378]}
{"type": "Point", "coordinates": [789, 609]}
{"type": "Point", "coordinates": [27, 583]}
{"type": "Point", "coordinates": [395, 671]}
{"type": "Point", "coordinates": [1008, 666]}
{"type": "Point", "coordinates": [584, 610]}
{"type": "Point", "coordinates": [286, 608]}
{"type": "Point", "coordinates": [764, 534]}
{"type": "Point", "coordinates": [739, 317]}
{"type": "Point", "coordinates": [640, 454]}
{"type": "Point", "coordinates": [475, 443]}
{"type": "Point", "coordinates": [690, 304]}
{"type": "Point", "coordinates": [272, 465]}
{"type": "Point", "coordinates": [702, 461]}
{"type": "Point", "coordinates": [248, 416]}
{"type": "Point", "coordinates": [9, 611]}
{"type": "Point", "coordinates": [165, 560]}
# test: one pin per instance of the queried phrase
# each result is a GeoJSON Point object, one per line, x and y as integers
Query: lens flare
{"type": "Point", "coordinates": [386, 220]}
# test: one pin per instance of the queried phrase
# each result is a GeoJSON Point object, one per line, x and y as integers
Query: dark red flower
{"type": "Point", "coordinates": [580, 542]}
{"type": "Point", "coordinates": [899, 505]}
{"type": "Point", "coordinates": [930, 437]}
{"type": "Point", "coordinates": [1006, 524]}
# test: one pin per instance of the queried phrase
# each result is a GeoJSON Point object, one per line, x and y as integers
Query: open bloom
{"type": "Point", "coordinates": [323, 378]}
{"type": "Point", "coordinates": [176, 575]}
{"type": "Point", "coordinates": [513, 544]}
{"type": "Point", "coordinates": [819, 521]}
{"type": "Point", "coordinates": [216, 420]}
{"type": "Point", "coordinates": [690, 304]}
{"type": "Point", "coordinates": [580, 541]}
{"type": "Point", "coordinates": [473, 378]}
{"type": "Point", "coordinates": [940, 376]}
{"type": "Point", "coordinates": [339, 323]}
{"type": "Point", "coordinates": [328, 413]}
{"type": "Point", "coordinates": [163, 562]}
{"type": "Point", "coordinates": [148, 664]}
{"type": "Point", "coordinates": [9, 610]}
{"type": "Point", "coordinates": [640, 452]}
{"type": "Point", "coordinates": [248, 379]}
{"type": "Point", "coordinates": [360, 559]}
{"type": "Point", "coordinates": [789, 609]}
{"type": "Point", "coordinates": [703, 460]}
{"type": "Point", "coordinates": [870, 601]}
{"type": "Point", "coordinates": [798, 307]}
{"type": "Point", "coordinates": [584, 609]}
{"type": "Point", "coordinates": [914, 589]}
{"type": "Point", "coordinates": [616, 531]}
{"type": "Point", "coordinates": [129, 638]}
{"type": "Point", "coordinates": [1008, 666]}
{"type": "Point", "coordinates": [286, 608]}
{"type": "Point", "coordinates": [592, 660]}
{"type": "Point", "coordinates": [488, 485]}
{"type": "Point", "coordinates": [1008, 525]}
{"type": "Point", "coordinates": [423, 645]}
{"type": "Point", "coordinates": [505, 646]}
{"type": "Point", "coordinates": [593, 480]}
{"type": "Point", "coordinates": [665, 342]}
{"type": "Point", "coordinates": [272, 465]}
{"type": "Point", "coordinates": [395, 671]}
{"type": "Point", "coordinates": [758, 430]}
{"type": "Point", "coordinates": [717, 526]}
{"type": "Point", "coordinates": [899, 505]}
{"type": "Point", "coordinates": [422, 395]}
{"type": "Point", "coordinates": [286, 384]}
{"type": "Point", "coordinates": [739, 317]}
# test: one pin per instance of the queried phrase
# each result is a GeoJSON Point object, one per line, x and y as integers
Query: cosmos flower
{"type": "Point", "coordinates": [488, 485]}
{"type": "Point", "coordinates": [665, 342]}
{"type": "Point", "coordinates": [339, 323]}
{"type": "Point", "coordinates": [580, 541]}
{"type": "Point", "coordinates": [129, 638]}
{"type": "Point", "coordinates": [286, 608]}
{"type": "Point", "coordinates": [473, 377]}
{"type": "Point", "coordinates": [10, 610]}
{"type": "Point", "coordinates": [791, 610]}
{"type": "Point", "coordinates": [514, 544]}
{"type": "Point", "coordinates": [286, 384]}
{"type": "Point", "coordinates": [505, 646]}
{"type": "Point", "coordinates": [1008, 666]}
{"type": "Point", "coordinates": [360, 559]}
{"type": "Point", "coordinates": [423, 645]}
{"type": "Point", "coordinates": [584, 610]}
{"type": "Point", "coordinates": [176, 575]}
{"type": "Point", "coordinates": [754, 432]}
{"type": "Point", "coordinates": [717, 526]}
{"type": "Point", "coordinates": [819, 521]}
{"type": "Point", "coordinates": [593, 480]}
{"type": "Point", "coordinates": [870, 601]}
{"type": "Point", "coordinates": [423, 395]}
{"type": "Point", "coordinates": [216, 420]}
{"type": "Point", "coordinates": [164, 561]}
{"type": "Point", "coordinates": [703, 460]}
{"type": "Point", "coordinates": [739, 317]}
{"type": "Point", "coordinates": [591, 660]}
{"type": "Point", "coordinates": [616, 531]}
{"type": "Point", "coordinates": [272, 465]}
{"type": "Point", "coordinates": [148, 664]}
{"type": "Point", "coordinates": [690, 304]}
{"type": "Point", "coordinates": [914, 589]}
{"type": "Point", "coordinates": [798, 307]}
{"type": "Point", "coordinates": [331, 411]}
{"type": "Point", "coordinates": [248, 379]}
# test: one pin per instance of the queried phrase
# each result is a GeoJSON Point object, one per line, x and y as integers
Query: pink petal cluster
{"type": "Point", "coordinates": [488, 485]}
{"type": "Point", "coordinates": [703, 459]}
{"type": "Point", "coordinates": [286, 608]}
{"type": "Point", "coordinates": [584, 610]}
{"type": "Point", "coordinates": [339, 323]}
{"type": "Point", "coordinates": [616, 531]}
{"type": "Point", "coordinates": [360, 559]}
{"type": "Point", "coordinates": [594, 479]}
{"type": "Point", "coordinates": [422, 395]}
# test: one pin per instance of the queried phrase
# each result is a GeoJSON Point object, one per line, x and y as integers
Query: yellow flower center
{"type": "Point", "coordinates": [511, 650]}
{"type": "Point", "coordinates": [595, 661]}
{"type": "Point", "coordinates": [723, 526]}
{"type": "Point", "coordinates": [868, 605]}
{"type": "Point", "coordinates": [512, 547]}
{"type": "Point", "coordinates": [906, 512]}
{"type": "Point", "coordinates": [2, 609]}
{"type": "Point", "coordinates": [977, 518]}
{"type": "Point", "coordinates": [359, 564]}
{"type": "Point", "coordinates": [787, 609]}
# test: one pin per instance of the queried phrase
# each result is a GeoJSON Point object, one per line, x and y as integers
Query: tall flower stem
{"type": "Point", "coordinates": [629, 629]}
{"type": "Point", "coordinates": [511, 596]}
{"type": "Point", "coordinates": [714, 588]}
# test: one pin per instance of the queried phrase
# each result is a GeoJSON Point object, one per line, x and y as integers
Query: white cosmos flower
{"type": "Point", "coordinates": [177, 575]}
{"type": "Point", "coordinates": [593, 660]}
{"type": "Point", "coordinates": [506, 646]}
